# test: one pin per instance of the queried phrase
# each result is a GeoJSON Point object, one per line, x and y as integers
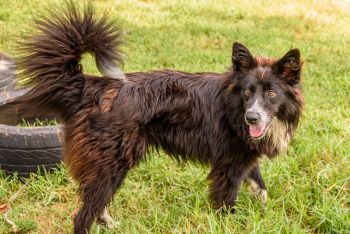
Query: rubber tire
{"type": "Point", "coordinates": [25, 150]}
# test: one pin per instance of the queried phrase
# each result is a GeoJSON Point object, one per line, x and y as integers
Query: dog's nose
{"type": "Point", "coordinates": [252, 117]}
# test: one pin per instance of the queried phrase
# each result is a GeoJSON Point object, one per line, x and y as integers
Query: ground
{"type": "Point", "coordinates": [308, 188]}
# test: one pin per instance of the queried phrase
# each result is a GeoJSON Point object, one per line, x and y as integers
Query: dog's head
{"type": "Point", "coordinates": [269, 88]}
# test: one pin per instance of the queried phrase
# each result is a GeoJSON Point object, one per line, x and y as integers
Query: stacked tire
{"type": "Point", "coordinates": [23, 150]}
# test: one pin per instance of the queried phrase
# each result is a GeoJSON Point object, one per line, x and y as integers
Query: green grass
{"type": "Point", "coordinates": [37, 123]}
{"type": "Point", "coordinates": [308, 188]}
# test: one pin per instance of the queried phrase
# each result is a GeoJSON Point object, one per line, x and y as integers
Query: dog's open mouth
{"type": "Point", "coordinates": [258, 131]}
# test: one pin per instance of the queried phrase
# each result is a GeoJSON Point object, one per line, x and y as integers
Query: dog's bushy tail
{"type": "Point", "coordinates": [50, 57]}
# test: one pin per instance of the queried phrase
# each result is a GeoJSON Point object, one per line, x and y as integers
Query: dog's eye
{"type": "Point", "coordinates": [271, 93]}
{"type": "Point", "coordinates": [247, 92]}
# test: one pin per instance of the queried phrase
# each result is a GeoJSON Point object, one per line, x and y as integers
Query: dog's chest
{"type": "Point", "coordinates": [278, 136]}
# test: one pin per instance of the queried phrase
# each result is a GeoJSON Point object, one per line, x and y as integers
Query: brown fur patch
{"type": "Point", "coordinates": [264, 61]}
{"type": "Point", "coordinates": [107, 99]}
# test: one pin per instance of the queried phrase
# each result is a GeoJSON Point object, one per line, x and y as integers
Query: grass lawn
{"type": "Point", "coordinates": [308, 188]}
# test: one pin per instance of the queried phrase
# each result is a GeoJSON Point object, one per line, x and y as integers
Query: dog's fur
{"type": "Point", "coordinates": [111, 121]}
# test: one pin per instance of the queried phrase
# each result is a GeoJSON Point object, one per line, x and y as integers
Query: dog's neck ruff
{"type": "Point", "coordinates": [276, 140]}
{"type": "Point", "coordinates": [279, 135]}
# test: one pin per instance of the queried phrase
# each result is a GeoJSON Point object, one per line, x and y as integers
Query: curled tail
{"type": "Point", "coordinates": [50, 62]}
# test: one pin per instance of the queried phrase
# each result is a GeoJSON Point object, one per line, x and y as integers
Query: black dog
{"type": "Point", "coordinates": [226, 121]}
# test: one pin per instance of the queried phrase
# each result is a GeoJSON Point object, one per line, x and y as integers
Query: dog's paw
{"type": "Point", "coordinates": [107, 220]}
{"type": "Point", "coordinates": [258, 191]}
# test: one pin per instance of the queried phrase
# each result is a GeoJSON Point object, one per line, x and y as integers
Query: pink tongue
{"type": "Point", "coordinates": [256, 131]}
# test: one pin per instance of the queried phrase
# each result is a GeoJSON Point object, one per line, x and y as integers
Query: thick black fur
{"type": "Point", "coordinates": [110, 123]}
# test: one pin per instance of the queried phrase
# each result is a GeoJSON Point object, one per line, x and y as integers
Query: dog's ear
{"type": "Point", "coordinates": [242, 59]}
{"type": "Point", "coordinates": [289, 67]}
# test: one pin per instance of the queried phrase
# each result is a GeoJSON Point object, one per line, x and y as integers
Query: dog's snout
{"type": "Point", "coordinates": [252, 117]}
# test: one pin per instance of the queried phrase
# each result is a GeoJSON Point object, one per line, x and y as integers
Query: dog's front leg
{"type": "Point", "coordinates": [225, 181]}
{"type": "Point", "coordinates": [257, 184]}
{"type": "Point", "coordinates": [105, 218]}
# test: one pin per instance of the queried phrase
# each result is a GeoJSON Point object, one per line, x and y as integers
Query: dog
{"type": "Point", "coordinates": [224, 120]}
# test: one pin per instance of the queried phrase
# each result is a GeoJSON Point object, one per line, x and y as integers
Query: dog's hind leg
{"type": "Point", "coordinates": [99, 157]}
{"type": "Point", "coordinates": [257, 184]}
{"type": "Point", "coordinates": [96, 195]}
